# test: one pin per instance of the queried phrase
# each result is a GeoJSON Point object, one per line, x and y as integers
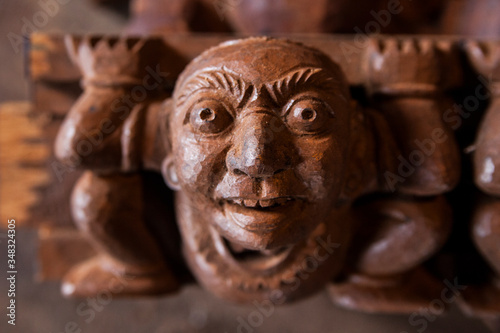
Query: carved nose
{"type": "Point", "coordinates": [260, 147]}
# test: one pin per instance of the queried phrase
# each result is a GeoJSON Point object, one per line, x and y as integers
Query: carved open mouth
{"type": "Point", "coordinates": [256, 260]}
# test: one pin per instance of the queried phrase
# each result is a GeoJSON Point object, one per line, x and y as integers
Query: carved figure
{"type": "Point", "coordinates": [105, 134]}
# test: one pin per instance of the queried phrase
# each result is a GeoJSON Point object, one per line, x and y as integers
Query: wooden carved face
{"type": "Point", "coordinates": [258, 132]}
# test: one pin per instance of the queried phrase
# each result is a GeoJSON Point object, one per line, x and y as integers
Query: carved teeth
{"type": "Point", "coordinates": [267, 203]}
{"type": "Point", "coordinates": [250, 203]}
{"type": "Point", "coordinates": [263, 203]}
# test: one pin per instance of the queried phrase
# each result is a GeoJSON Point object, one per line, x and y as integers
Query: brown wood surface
{"type": "Point", "coordinates": [55, 87]}
{"type": "Point", "coordinates": [49, 60]}
{"type": "Point", "coordinates": [23, 152]}
{"type": "Point", "coordinates": [54, 243]}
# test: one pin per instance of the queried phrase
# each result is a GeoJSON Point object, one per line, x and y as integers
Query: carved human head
{"type": "Point", "coordinates": [258, 136]}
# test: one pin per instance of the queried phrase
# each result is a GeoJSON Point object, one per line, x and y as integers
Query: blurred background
{"type": "Point", "coordinates": [40, 306]}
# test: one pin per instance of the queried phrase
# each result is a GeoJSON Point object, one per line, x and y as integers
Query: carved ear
{"type": "Point", "coordinates": [170, 174]}
{"type": "Point", "coordinates": [167, 166]}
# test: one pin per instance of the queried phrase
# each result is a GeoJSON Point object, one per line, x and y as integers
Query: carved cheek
{"type": "Point", "coordinates": [321, 167]}
{"type": "Point", "coordinates": [200, 163]}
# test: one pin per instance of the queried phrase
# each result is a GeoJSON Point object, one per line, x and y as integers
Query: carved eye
{"type": "Point", "coordinates": [308, 116]}
{"type": "Point", "coordinates": [210, 117]}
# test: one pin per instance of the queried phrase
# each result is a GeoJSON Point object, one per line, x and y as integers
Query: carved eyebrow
{"type": "Point", "coordinates": [214, 79]}
{"type": "Point", "coordinates": [281, 89]}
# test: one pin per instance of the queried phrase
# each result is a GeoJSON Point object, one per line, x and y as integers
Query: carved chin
{"type": "Point", "coordinates": [235, 272]}
{"type": "Point", "coordinates": [259, 262]}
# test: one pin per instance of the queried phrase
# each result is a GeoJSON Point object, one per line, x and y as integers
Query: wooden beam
{"type": "Point", "coordinates": [23, 153]}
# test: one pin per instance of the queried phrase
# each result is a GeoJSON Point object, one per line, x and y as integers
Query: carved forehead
{"type": "Point", "coordinates": [260, 60]}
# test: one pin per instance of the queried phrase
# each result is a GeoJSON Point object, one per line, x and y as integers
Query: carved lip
{"type": "Point", "coordinates": [264, 214]}
{"type": "Point", "coordinates": [257, 260]}
{"type": "Point", "coordinates": [252, 260]}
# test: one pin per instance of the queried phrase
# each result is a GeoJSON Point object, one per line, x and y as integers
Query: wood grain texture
{"type": "Point", "coordinates": [22, 156]}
